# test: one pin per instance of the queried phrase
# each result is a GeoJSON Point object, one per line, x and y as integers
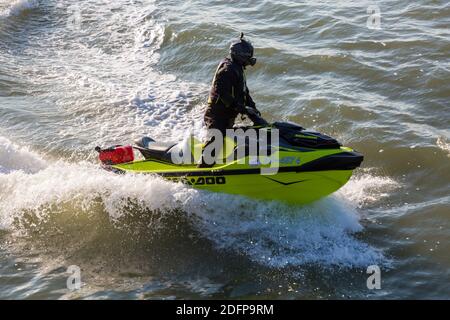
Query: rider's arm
{"type": "Point", "coordinates": [224, 85]}
{"type": "Point", "coordinates": [249, 101]}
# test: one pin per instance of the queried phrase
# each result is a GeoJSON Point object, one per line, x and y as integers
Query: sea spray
{"type": "Point", "coordinates": [19, 7]}
{"type": "Point", "coordinates": [14, 157]}
{"type": "Point", "coordinates": [269, 233]}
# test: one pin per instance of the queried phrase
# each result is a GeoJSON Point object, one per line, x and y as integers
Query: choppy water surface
{"type": "Point", "coordinates": [76, 74]}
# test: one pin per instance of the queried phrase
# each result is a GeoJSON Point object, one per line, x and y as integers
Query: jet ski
{"type": "Point", "coordinates": [308, 165]}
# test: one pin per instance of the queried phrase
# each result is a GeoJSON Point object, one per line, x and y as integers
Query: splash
{"type": "Point", "coordinates": [279, 236]}
{"type": "Point", "coordinates": [366, 189]}
{"type": "Point", "coordinates": [62, 182]}
{"type": "Point", "coordinates": [14, 157]}
{"type": "Point", "coordinates": [19, 7]}
{"type": "Point", "coordinates": [268, 233]}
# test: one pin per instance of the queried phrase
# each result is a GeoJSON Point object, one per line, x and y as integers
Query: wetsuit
{"type": "Point", "coordinates": [228, 96]}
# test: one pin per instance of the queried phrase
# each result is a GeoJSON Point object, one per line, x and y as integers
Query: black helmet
{"type": "Point", "coordinates": [241, 51]}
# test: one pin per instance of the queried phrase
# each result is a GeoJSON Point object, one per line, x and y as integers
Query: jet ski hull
{"type": "Point", "coordinates": [308, 176]}
{"type": "Point", "coordinates": [292, 188]}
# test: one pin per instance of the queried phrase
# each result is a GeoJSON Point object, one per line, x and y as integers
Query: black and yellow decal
{"type": "Point", "coordinates": [199, 181]}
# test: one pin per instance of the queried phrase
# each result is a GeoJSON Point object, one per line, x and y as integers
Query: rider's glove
{"type": "Point", "coordinates": [240, 108]}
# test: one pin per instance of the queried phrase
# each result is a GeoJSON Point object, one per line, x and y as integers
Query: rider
{"type": "Point", "coordinates": [229, 94]}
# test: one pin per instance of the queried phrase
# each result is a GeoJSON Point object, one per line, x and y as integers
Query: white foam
{"type": "Point", "coordinates": [280, 236]}
{"type": "Point", "coordinates": [18, 7]}
{"type": "Point", "coordinates": [14, 157]}
{"type": "Point", "coordinates": [268, 233]}
{"type": "Point", "coordinates": [366, 189]}
{"type": "Point", "coordinates": [63, 182]}
{"type": "Point", "coordinates": [110, 81]}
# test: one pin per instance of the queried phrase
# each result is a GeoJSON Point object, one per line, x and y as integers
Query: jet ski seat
{"type": "Point", "coordinates": [149, 148]}
{"type": "Point", "coordinates": [167, 152]}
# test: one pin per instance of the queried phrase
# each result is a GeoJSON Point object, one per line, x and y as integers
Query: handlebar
{"type": "Point", "coordinates": [255, 118]}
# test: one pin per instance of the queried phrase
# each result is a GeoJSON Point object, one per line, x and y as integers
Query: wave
{"type": "Point", "coordinates": [38, 197]}
{"type": "Point", "coordinates": [14, 157]}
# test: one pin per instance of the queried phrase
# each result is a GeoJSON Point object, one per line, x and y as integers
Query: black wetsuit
{"type": "Point", "coordinates": [228, 96]}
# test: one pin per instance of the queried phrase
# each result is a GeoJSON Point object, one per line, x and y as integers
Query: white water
{"type": "Point", "coordinates": [13, 157]}
{"type": "Point", "coordinates": [18, 7]}
{"type": "Point", "coordinates": [269, 233]}
{"type": "Point", "coordinates": [143, 67]}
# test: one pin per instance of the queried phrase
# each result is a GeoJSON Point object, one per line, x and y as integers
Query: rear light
{"type": "Point", "coordinates": [115, 155]}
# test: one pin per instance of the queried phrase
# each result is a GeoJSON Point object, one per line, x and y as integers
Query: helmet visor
{"type": "Point", "coordinates": [252, 61]}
